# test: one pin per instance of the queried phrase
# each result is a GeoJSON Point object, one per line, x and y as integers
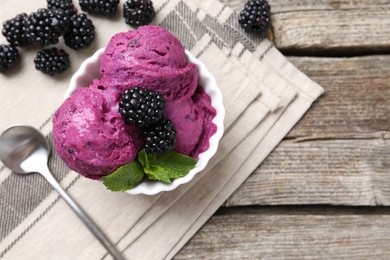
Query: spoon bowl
{"type": "Point", "coordinates": [21, 147]}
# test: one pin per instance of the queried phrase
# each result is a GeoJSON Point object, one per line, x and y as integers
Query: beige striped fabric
{"type": "Point", "coordinates": [264, 96]}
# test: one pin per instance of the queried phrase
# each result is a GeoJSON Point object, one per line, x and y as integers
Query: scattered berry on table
{"type": "Point", "coordinates": [80, 33]}
{"type": "Point", "coordinates": [9, 57]}
{"type": "Point", "coordinates": [141, 108]}
{"type": "Point", "coordinates": [255, 17]}
{"type": "Point", "coordinates": [45, 26]}
{"type": "Point", "coordinates": [52, 61]}
{"type": "Point", "coordinates": [161, 138]}
{"type": "Point", "coordinates": [14, 32]}
{"type": "Point", "coordinates": [65, 5]}
{"type": "Point", "coordinates": [100, 7]}
{"type": "Point", "coordinates": [138, 12]}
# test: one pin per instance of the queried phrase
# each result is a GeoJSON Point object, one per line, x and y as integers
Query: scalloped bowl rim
{"type": "Point", "coordinates": [89, 70]}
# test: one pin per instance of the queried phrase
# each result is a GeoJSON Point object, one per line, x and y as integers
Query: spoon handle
{"type": "Point", "coordinates": [103, 239]}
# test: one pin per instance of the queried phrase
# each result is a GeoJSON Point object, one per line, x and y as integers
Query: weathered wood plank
{"type": "Point", "coordinates": [356, 103]}
{"type": "Point", "coordinates": [346, 133]}
{"type": "Point", "coordinates": [337, 172]}
{"type": "Point", "coordinates": [327, 25]}
{"type": "Point", "coordinates": [293, 233]}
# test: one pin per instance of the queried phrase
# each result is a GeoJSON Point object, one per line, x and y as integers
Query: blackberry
{"type": "Point", "coordinates": [100, 7]}
{"type": "Point", "coordinates": [45, 26]}
{"type": "Point", "coordinates": [138, 12]}
{"type": "Point", "coordinates": [9, 57]}
{"type": "Point", "coordinates": [65, 5]}
{"type": "Point", "coordinates": [13, 30]}
{"type": "Point", "coordinates": [80, 33]}
{"type": "Point", "coordinates": [141, 108]}
{"type": "Point", "coordinates": [161, 138]}
{"type": "Point", "coordinates": [52, 61]}
{"type": "Point", "coordinates": [255, 17]}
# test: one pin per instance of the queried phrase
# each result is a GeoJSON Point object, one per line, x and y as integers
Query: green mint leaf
{"type": "Point", "coordinates": [177, 164]}
{"type": "Point", "coordinates": [166, 167]}
{"type": "Point", "coordinates": [143, 158]}
{"type": "Point", "coordinates": [153, 172]}
{"type": "Point", "coordinates": [158, 174]}
{"type": "Point", "coordinates": [125, 177]}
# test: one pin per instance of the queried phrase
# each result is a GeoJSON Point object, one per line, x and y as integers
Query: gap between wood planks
{"type": "Point", "coordinates": [339, 52]}
{"type": "Point", "coordinates": [315, 209]}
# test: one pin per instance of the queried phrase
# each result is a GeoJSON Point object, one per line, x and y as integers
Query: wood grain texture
{"type": "Point", "coordinates": [346, 133]}
{"type": "Point", "coordinates": [337, 172]}
{"type": "Point", "coordinates": [285, 233]}
{"type": "Point", "coordinates": [356, 103]}
{"type": "Point", "coordinates": [342, 26]}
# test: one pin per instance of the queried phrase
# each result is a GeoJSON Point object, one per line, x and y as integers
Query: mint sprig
{"type": "Point", "coordinates": [125, 177]}
{"type": "Point", "coordinates": [164, 168]}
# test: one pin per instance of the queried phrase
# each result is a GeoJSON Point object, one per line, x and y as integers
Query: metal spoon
{"type": "Point", "coordinates": [25, 150]}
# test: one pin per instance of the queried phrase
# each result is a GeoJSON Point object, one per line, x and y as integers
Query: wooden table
{"type": "Point", "coordinates": [325, 190]}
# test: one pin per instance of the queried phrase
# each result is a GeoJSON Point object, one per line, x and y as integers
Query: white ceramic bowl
{"type": "Point", "coordinates": [89, 70]}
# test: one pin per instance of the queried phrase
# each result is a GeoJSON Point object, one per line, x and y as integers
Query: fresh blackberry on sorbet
{"type": "Point", "coordinates": [13, 30]}
{"type": "Point", "coordinates": [255, 17]}
{"type": "Point", "coordinates": [138, 12]}
{"type": "Point", "coordinates": [65, 5]}
{"type": "Point", "coordinates": [141, 108]}
{"type": "Point", "coordinates": [9, 57]}
{"type": "Point", "coordinates": [161, 138]}
{"type": "Point", "coordinates": [52, 61]}
{"type": "Point", "coordinates": [80, 33]}
{"type": "Point", "coordinates": [100, 7]}
{"type": "Point", "coordinates": [45, 26]}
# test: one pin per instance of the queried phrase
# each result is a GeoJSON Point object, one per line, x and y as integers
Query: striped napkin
{"type": "Point", "coordinates": [264, 97]}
